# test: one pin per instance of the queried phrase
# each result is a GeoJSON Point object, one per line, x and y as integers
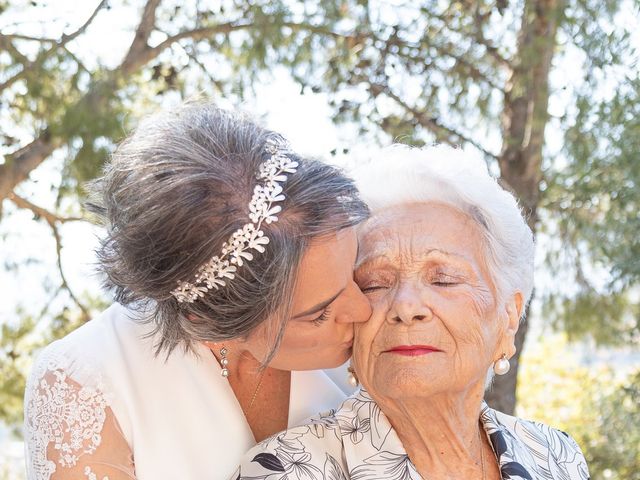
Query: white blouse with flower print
{"type": "Point", "coordinates": [358, 442]}
{"type": "Point", "coordinates": [100, 405]}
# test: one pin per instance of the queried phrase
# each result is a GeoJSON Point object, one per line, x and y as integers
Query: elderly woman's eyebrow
{"type": "Point", "coordinates": [373, 258]}
{"type": "Point", "coordinates": [442, 257]}
{"type": "Point", "coordinates": [382, 257]}
{"type": "Point", "coordinates": [439, 252]}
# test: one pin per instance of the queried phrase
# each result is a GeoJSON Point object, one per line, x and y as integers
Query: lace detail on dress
{"type": "Point", "coordinates": [92, 476]}
{"type": "Point", "coordinates": [63, 418]}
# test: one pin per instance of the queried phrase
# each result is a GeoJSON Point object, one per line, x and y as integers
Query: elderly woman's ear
{"type": "Point", "coordinates": [513, 309]}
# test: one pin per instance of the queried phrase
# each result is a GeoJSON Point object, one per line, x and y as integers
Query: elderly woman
{"type": "Point", "coordinates": [227, 251]}
{"type": "Point", "coordinates": [446, 261]}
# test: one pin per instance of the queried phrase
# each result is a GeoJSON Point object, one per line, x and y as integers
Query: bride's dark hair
{"type": "Point", "coordinates": [173, 193]}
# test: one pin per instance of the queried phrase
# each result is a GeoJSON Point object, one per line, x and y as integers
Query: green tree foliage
{"type": "Point", "coordinates": [481, 74]}
{"type": "Point", "coordinates": [613, 445]}
{"type": "Point", "coordinates": [601, 412]}
{"type": "Point", "coordinates": [595, 200]}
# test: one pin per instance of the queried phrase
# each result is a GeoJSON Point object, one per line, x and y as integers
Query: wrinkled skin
{"type": "Point", "coordinates": [423, 268]}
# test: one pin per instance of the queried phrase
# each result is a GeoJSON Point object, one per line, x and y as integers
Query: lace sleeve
{"type": "Point", "coordinates": [70, 430]}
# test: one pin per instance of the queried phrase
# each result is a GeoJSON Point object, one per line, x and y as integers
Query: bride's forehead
{"type": "Point", "coordinates": [328, 249]}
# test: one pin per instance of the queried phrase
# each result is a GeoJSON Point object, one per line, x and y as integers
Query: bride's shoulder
{"type": "Point", "coordinates": [116, 320]}
{"type": "Point", "coordinates": [86, 351]}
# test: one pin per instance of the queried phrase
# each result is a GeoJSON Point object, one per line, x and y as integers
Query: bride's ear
{"type": "Point", "coordinates": [210, 345]}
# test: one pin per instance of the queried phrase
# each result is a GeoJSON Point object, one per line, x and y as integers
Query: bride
{"type": "Point", "coordinates": [231, 258]}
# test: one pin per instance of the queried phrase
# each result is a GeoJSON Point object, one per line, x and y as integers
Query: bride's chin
{"type": "Point", "coordinates": [341, 358]}
{"type": "Point", "coordinates": [329, 359]}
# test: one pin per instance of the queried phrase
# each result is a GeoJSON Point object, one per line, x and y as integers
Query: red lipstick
{"type": "Point", "coordinates": [413, 350]}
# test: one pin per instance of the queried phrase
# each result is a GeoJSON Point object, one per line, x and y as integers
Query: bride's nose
{"type": "Point", "coordinates": [356, 307]}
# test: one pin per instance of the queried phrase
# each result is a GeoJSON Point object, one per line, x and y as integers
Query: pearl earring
{"type": "Point", "coordinates": [502, 365]}
{"type": "Point", "coordinates": [224, 361]}
{"type": "Point", "coordinates": [352, 378]}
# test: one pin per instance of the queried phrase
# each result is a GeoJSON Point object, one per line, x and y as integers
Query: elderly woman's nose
{"type": "Point", "coordinates": [409, 305]}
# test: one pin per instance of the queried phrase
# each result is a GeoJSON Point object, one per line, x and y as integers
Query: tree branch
{"type": "Point", "coordinates": [64, 39]}
{"type": "Point", "coordinates": [5, 42]}
{"type": "Point", "coordinates": [53, 220]}
{"type": "Point", "coordinates": [492, 50]}
{"type": "Point", "coordinates": [140, 44]}
{"type": "Point", "coordinates": [23, 161]}
{"type": "Point", "coordinates": [46, 307]}
{"type": "Point", "coordinates": [46, 53]}
{"type": "Point", "coordinates": [67, 38]}
{"type": "Point", "coordinates": [323, 31]}
{"type": "Point", "coordinates": [76, 59]}
{"type": "Point", "coordinates": [203, 33]}
{"type": "Point", "coordinates": [43, 213]}
{"type": "Point", "coordinates": [19, 36]}
{"type": "Point", "coordinates": [473, 70]}
{"type": "Point", "coordinates": [29, 157]}
{"type": "Point", "coordinates": [525, 113]}
{"type": "Point", "coordinates": [477, 37]}
{"type": "Point", "coordinates": [446, 50]}
{"type": "Point", "coordinates": [197, 34]}
{"type": "Point", "coordinates": [434, 125]}
{"type": "Point", "coordinates": [10, 81]}
{"type": "Point", "coordinates": [56, 235]}
{"type": "Point", "coordinates": [205, 71]}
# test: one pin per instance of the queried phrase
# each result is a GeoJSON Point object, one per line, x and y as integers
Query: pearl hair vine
{"type": "Point", "coordinates": [242, 243]}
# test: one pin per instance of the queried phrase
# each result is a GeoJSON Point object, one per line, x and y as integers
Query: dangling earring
{"type": "Point", "coordinates": [352, 378]}
{"type": "Point", "coordinates": [224, 361]}
{"type": "Point", "coordinates": [502, 365]}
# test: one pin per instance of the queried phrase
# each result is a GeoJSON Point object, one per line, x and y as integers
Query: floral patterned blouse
{"type": "Point", "coordinates": [357, 441]}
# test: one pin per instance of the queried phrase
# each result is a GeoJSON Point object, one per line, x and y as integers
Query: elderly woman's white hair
{"type": "Point", "coordinates": [399, 174]}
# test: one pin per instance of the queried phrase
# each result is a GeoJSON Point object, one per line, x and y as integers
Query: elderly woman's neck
{"type": "Point", "coordinates": [442, 434]}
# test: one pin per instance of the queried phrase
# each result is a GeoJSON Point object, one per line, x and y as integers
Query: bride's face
{"type": "Point", "coordinates": [326, 304]}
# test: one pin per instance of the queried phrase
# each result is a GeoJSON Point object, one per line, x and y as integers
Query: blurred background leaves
{"type": "Point", "coordinates": [546, 91]}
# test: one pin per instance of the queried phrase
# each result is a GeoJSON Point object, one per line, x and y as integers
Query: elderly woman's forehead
{"type": "Point", "coordinates": [414, 218]}
{"type": "Point", "coordinates": [418, 228]}
{"type": "Point", "coordinates": [413, 210]}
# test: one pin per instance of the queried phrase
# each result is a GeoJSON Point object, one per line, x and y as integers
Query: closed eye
{"type": "Point", "coordinates": [372, 288]}
{"type": "Point", "coordinates": [444, 281]}
{"type": "Point", "coordinates": [324, 316]}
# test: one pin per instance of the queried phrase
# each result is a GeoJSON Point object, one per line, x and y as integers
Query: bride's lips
{"type": "Point", "coordinates": [413, 350]}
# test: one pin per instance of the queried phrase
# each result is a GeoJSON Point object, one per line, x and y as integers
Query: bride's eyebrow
{"type": "Point", "coordinates": [320, 306]}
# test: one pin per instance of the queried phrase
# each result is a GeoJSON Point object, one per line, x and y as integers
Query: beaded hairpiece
{"type": "Point", "coordinates": [238, 248]}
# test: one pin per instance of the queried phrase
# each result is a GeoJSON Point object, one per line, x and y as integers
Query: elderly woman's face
{"type": "Point", "coordinates": [435, 326]}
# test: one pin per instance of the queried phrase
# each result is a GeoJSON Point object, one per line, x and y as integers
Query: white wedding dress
{"type": "Point", "coordinates": [99, 405]}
